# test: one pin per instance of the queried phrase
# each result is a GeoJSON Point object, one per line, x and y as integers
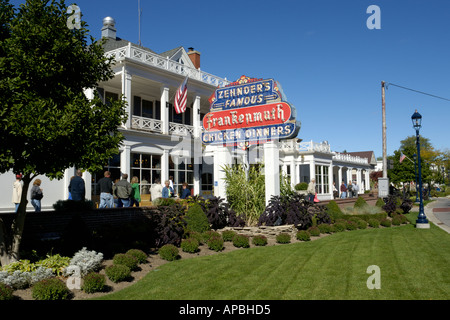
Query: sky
{"type": "Point", "coordinates": [328, 62]}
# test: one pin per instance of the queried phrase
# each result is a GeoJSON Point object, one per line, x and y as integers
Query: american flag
{"type": "Point", "coordinates": [181, 97]}
{"type": "Point", "coordinates": [402, 157]}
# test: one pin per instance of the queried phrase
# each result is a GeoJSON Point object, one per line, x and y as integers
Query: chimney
{"type": "Point", "coordinates": [195, 57]}
{"type": "Point", "coordinates": [109, 30]}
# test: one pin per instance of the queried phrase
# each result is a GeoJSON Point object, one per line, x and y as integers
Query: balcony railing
{"type": "Point", "coordinates": [146, 124]}
{"type": "Point", "coordinates": [345, 157]}
{"type": "Point", "coordinates": [314, 146]}
{"type": "Point", "coordinates": [155, 60]}
{"type": "Point", "coordinates": [154, 125]}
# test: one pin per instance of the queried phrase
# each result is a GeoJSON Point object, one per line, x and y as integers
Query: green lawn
{"type": "Point", "coordinates": [414, 264]}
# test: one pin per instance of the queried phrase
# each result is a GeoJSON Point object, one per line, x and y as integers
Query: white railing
{"type": "Point", "coordinates": [180, 129]}
{"type": "Point", "coordinates": [345, 157]}
{"type": "Point", "coordinates": [146, 124]}
{"type": "Point", "coordinates": [155, 60]}
{"type": "Point", "coordinates": [288, 145]}
{"type": "Point", "coordinates": [315, 146]}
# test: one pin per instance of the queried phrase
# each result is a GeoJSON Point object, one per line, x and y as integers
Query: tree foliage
{"type": "Point", "coordinates": [47, 123]}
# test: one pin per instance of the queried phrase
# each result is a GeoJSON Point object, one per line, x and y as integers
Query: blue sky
{"type": "Point", "coordinates": [328, 62]}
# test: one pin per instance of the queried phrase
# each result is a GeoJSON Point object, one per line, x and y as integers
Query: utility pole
{"type": "Point", "coordinates": [383, 105]}
{"type": "Point", "coordinates": [383, 183]}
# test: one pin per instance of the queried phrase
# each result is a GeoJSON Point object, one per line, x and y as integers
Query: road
{"type": "Point", "coordinates": [438, 212]}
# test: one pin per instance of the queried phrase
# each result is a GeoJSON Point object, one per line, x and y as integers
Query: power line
{"type": "Point", "coordinates": [428, 94]}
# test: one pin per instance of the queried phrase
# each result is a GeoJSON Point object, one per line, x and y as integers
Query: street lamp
{"type": "Point", "coordinates": [415, 176]}
{"type": "Point", "coordinates": [421, 222]}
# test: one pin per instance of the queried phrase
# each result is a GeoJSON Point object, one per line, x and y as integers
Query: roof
{"type": "Point", "coordinates": [112, 44]}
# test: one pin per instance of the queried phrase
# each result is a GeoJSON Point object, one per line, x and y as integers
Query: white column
{"type": "Point", "coordinates": [165, 111]}
{"type": "Point", "coordinates": [358, 180]}
{"type": "Point", "coordinates": [293, 173]}
{"type": "Point", "coordinates": [349, 175]}
{"type": "Point", "coordinates": [367, 178]}
{"type": "Point", "coordinates": [330, 180]}
{"type": "Point", "coordinates": [126, 92]}
{"type": "Point", "coordinates": [222, 157]}
{"type": "Point", "coordinates": [164, 166]}
{"type": "Point", "coordinates": [312, 170]}
{"type": "Point", "coordinates": [338, 186]}
{"type": "Point", "coordinates": [125, 157]}
{"type": "Point", "coordinates": [196, 121]}
{"type": "Point", "coordinates": [272, 169]}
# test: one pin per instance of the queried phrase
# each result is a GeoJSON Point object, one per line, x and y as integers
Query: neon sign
{"type": "Point", "coordinates": [249, 111]}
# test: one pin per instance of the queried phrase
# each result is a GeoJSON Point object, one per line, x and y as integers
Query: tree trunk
{"type": "Point", "coordinates": [10, 242]}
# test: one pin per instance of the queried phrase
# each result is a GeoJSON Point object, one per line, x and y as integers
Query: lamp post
{"type": "Point", "coordinates": [415, 176]}
{"type": "Point", "coordinates": [421, 222]}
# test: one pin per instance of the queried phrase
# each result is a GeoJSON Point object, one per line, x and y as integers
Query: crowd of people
{"type": "Point", "coordinates": [119, 193]}
{"type": "Point", "coordinates": [349, 190]}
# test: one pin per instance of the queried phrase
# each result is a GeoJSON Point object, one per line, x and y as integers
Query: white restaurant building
{"type": "Point", "coordinates": [160, 143]}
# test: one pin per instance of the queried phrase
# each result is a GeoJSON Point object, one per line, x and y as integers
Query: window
{"type": "Point", "coordinates": [207, 181]}
{"type": "Point", "coordinates": [181, 172]}
{"type": "Point", "coordinates": [146, 108]}
{"type": "Point", "coordinates": [322, 179]}
{"type": "Point", "coordinates": [147, 168]}
{"type": "Point", "coordinates": [181, 118]}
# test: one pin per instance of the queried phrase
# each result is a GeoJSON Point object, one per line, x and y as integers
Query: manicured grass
{"type": "Point", "coordinates": [414, 264]}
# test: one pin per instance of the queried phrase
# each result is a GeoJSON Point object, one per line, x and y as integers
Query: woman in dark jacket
{"type": "Point", "coordinates": [36, 195]}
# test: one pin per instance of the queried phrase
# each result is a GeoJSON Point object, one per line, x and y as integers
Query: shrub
{"type": "Point", "coordinates": [93, 282]}
{"type": "Point", "coordinates": [351, 225]}
{"type": "Point", "coordinates": [210, 234]}
{"type": "Point", "coordinates": [228, 235]}
{"type": "Point", "coordinates": [303, 235]}
{"type": "Point", "coordinates": [301, 186]}
{"type": "Point", "coordinates": [340, 226]}
{"type": "Point", "coordinates": [374, 223]}
{"type": "Point", "coordinates": [406, 205]}
{"type": "Point", "coordinates": [386, 223]}
{"type": "Point", "coordinates": [197, 236]}
{"type": "Point", "coordinates": [215, 243]}
{"type": "Point", "coordinates": [380, 203]}
{"type": "Point", "coordinates": [126, 260]}
{"type": "Point", "coordinates": [55, 262]}
{"type": "Point", "coordinates": [241, 241]}
{"type": "Point", "coordinates": [168, 252]}
{"type": "Point", "coordinates": [162, 202]}
{"type": "Point", "coordinates": [396, 220]}
{"type": "Point", "coordinates": [189, 245]}
{"type": "Point", "coordinates": [361, 224]}
{"type": "Point", "coordinates": [168, 225]}
{"type": "Point", "coordinates": [6, 292]}
{"type": "Point", "coordinates": [325, 228]}
{"type": "Point", "coordinates": [283, 238]}
{"type": "Point", "coordinates": [218, 212]}
{"type": "Point", "coordinates": [314, 231]}
{"type": "Point", "coordinates": [391, 204]}
{"type": "Point", "coordinates": [140, 255]}
{"type": "Point", "coordinates": [259, 240]}
{"type": "Point", "coordinates": [118, 272]}
{"type": "Point", "coordinates": [50, 289]}
{"type": "Point", "coordinates": [196, 219]}
{"type": "Point", "coordinates": [293, 209]}
{"type": "Point", "coordinates": [333, 210]}
{"type": "Point", "coordinates": [86, 260]}
{"type": "Point", "coordinates": [360, 203]}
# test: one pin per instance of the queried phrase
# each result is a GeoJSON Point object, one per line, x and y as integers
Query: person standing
{"type": "Point", "coordinates": [17, 191]}
{"type": "Point", "coordinates": [36, 195]}
{"type": "Point", "coordinates": [350, 189]}
{"type": "Point", "coordinates": [123, 191]}
{"type": "Point", "coordinates": [77, 188]}
{"type": "Point", "coordinates": [335, 191]}
{"type": "Point", "coordinates": [156, 190]}
{"type": "Point", "coordinates": [167, 191]}
{"type": "Point", "coordinates": [355, 189]}
{"type": "Point", "coordinates": [311, 189]}
{"type": "Point", "coordinates": [135, 194]}
{"type": "Point", "coordinates": [106, 191]}
{"type": "Point", "coordinates": [343, 190]}
{"type": "Point", "coordinates": [185, 192]}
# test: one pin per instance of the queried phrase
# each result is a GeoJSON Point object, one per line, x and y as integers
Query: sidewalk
{"type": "Point", "coordinates": [432, 218]}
